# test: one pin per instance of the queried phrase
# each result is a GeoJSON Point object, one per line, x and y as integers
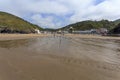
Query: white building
{"type": "Point", "coordinates": [37, 31]}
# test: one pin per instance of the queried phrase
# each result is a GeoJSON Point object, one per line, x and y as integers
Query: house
{"type": "Point", "coordinates": [102, 31]}
{"type": "Point", "coordinates": [84, 32]}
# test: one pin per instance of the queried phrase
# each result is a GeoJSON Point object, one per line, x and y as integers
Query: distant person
{"type": "Point", "coordinates": [63, 33]}
{"type": "Point", "coordinates": [54, 34]}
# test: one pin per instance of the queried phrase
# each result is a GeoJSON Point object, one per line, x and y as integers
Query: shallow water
{"type": "Point", "coordinates": [60, 58]}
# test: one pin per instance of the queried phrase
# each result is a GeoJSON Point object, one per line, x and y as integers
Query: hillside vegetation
{"type": "Point", "coordinates": [87, 25]}
{"type": "Point", "coordinates": [12, 24]}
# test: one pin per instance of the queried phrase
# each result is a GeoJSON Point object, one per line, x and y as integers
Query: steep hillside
{"type": "Point", "coordinates": [12, 24]}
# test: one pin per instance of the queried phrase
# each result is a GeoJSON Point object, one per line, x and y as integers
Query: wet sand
{"type": "Point", "coordinates": [93, 36]}
{"type": "Point", "coordinates": [20, 36]}
{"type": "Point", "coordinates": [60, 58]}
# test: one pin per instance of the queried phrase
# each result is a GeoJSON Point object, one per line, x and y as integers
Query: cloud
{"type": "Point", "coordinates": [58, 13]}
{"type": "Point", "coordinates": [46, 22]}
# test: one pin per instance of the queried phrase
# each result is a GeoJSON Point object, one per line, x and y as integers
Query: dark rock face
{"type": "Point", "coordinates": [116, 30]}
{"type": "Point", "coordinates": [7, 30]}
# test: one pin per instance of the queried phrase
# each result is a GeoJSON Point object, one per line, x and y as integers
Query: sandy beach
{"type": "Point", "coordinates": [69, 57]}
{"type": "Point", "coordinates": [26, 36]}
{"type": "Point", "coordinates": [92, 36]}
{"type": "Point", "coordinates": [20, 36]}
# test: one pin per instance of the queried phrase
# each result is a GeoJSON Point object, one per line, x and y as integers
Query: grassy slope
{"type": "Point", "coordinates": [15, 23]}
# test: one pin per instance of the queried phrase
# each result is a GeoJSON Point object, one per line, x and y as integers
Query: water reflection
{"type": "Point", "coordinates": [66, 46]}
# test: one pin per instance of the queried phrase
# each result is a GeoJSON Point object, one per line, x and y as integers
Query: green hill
{"type": "Point", "coordinates": [87, 25]}
{"type": "Point", "coordinates": [12, 24]}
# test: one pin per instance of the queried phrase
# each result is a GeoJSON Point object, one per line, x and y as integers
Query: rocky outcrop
{"type": "Point", "coordinates": [115, 31]}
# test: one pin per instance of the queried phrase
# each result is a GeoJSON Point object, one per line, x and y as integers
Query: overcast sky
{"type": "Point", "coordinates": [58, 13]}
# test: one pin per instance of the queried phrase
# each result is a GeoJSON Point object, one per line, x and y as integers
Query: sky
{"type": "Point", "coordinates": [59, 13]}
